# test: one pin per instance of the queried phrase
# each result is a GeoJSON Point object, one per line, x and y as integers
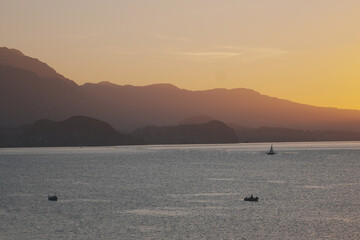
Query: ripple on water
{"type": "Point", "coordinates": [84, 200]}
{"type": "Point", "coordinates": [166, 211]}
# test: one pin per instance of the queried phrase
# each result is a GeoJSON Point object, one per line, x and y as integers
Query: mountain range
{"type": "Point", "coordinates": [31, 90]}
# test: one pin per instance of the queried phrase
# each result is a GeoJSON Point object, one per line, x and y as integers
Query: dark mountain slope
{"type": "Point", "coordinates": [15, 58]}
{"type": "Point", "coordinates": [26, 97]}
{"type": "Point", "coordinates": [211, 132]}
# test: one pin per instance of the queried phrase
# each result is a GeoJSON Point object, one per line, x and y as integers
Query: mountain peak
{"type": "Point", "coordinates": [15, 58]}
{"type": "Point", "coordinates": [163, 86]}
{"type": "Point", "coordinates": [159, 86]}
{"type": "Point", "coordinates": [11, 50]}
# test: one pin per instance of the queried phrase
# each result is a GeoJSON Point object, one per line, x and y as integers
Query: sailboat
{"type": "Point", "coordinates": [271, 152]}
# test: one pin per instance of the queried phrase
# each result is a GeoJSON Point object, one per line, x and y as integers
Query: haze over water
{"type": "Point", "coordinates": [306, 191]}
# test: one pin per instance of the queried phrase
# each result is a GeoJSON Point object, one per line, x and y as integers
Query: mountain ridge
{"type": "Point", "coordinates": [26, 96]}
{"type": "Point", "coordinates": [15, 58]}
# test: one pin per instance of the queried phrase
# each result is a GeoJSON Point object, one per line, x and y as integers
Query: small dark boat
{"type": "Point", "coordinates": [52, 198]}
{"type": "Point", "coordinates": [271, 152]}
{"type": "Point", "coordinates": [251, 199]}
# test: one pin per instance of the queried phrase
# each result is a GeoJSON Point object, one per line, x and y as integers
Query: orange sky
{"type": "Point", "coordinates": [305, 51]}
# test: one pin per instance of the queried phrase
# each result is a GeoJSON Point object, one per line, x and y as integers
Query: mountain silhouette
{"type": "Point", "coordinates": [33, 91]}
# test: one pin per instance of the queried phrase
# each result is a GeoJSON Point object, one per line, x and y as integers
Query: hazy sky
{"type": "Point", "coordinates": [306, 51]}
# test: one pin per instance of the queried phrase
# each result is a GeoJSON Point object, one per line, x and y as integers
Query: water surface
{"type": "Point", "coordinates": [306, 191]}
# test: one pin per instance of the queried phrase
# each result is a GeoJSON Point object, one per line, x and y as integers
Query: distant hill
{"type": "Point", "coordinates": [211, 132]}
{"type": "Point", "coordinates": [85, 131]}
{"type": "Point", "coordinates": [75, 131]}
{"type": "Point", "coordinates": [30, 90]}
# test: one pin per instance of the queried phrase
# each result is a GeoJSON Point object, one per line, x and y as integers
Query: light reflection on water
{"type": "Point", "coordinates": [307, 191]}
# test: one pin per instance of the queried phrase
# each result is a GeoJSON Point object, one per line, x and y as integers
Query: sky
{"type": "Point", "coordinates": [307, 51]}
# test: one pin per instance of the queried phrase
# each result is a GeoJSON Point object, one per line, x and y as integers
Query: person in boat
{"type": "Point", "coordinates": [52, 197]}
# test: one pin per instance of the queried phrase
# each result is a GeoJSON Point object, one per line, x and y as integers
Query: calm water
{"type": "Point", "coordinates": [307, 191]}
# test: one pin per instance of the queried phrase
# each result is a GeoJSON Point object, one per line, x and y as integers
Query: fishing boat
{"type": "Point", "coordinates": [271, 152]}
{"type": "Point", "coordinates": [52, 198]}
{"type": "Point", "coordinates": [251, 199]}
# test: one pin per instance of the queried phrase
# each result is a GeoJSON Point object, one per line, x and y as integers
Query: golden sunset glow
{"type": "Point", "coordinates": [304, 51]}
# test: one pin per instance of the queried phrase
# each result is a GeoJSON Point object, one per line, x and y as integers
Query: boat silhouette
{"type": "Point", "coordinates": [251, 199]}
{"type": "Point", "coordinates": [271, 152]}
{"type": "Point", "coordinates": [52, 197]}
